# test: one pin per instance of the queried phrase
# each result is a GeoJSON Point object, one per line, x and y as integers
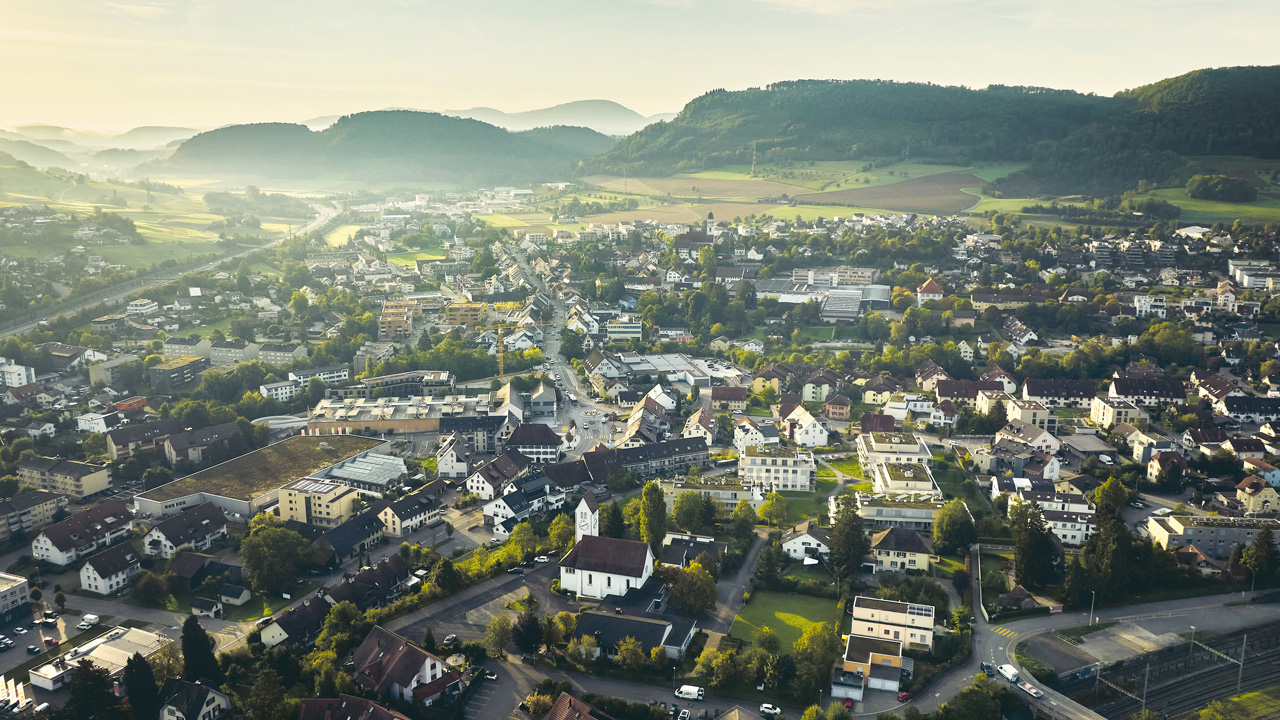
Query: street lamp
{"type": "Point", "coordinates": [1191, 655]}
{"type": "Point", "coordinates": [1093, 599]}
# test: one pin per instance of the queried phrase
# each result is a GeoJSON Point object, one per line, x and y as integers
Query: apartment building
{"type": "Point", "coordinates": [1212, 535]}
{"type": "Point", "coordinates": [910, 623]}
{"type": "Point", "coordinates": [1106, 412]}
{"type": "Point", "coordinates": [177, 372]}
{"type": "Point", "coordinates": [903, 479]}
{"type": "Point", "coordinates": [782, 468]}
{"type": "Point", "coordinates": [317, 502]}
{"type": "Point", "coordinates": [891, 447]}
{"type": "Point", "coordinates": [27, 512]}
{"type": "Point", "coordinates": [68, 477]}
{"type": "Point", "coordinates": [463, 313]}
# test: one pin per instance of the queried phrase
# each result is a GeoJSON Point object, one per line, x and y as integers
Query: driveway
{"type": "Point", "coordinates": [466, 613]}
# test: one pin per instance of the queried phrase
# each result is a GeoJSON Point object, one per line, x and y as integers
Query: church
{"type": "Point", "coordinates": [600, 566]}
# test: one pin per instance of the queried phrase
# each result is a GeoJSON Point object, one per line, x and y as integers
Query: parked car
{"type": "Point", "coordinates": [904, 696]}
{"type": "Point", "coordinates": [542, 559]}
{"type": "Point", "coordinates": [770, 710]}
{"type": "Point", "coordinates": [1137, 504]}
{"type": "Point", "coordinates": [19, 630]}
{"type": "Point", "coordinates": [450, 639]}
{"type": "Point", "coordinates": [515, 571]}
{"type": "Point", "coordinates": [33, 650]}
{"type": "Point", "coordinates": [490, 675]}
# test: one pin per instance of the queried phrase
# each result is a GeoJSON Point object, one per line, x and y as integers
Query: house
{"type": "Point", "coordinates": [489, 479]}
{"type": "Point", "coordinates": [1147, 392]}
{"type": "Point", "coordinates": [404, 516]}
{"type": "Point", "coordinates": [1256, 496]}
{"type": "Point", "coordinates": [318, 502]}
{"type": "Point", "coordinates": [778, 468]}
{"type": "Point", "coordinates": [702, 423]}
{"type": "Point", "coordinates": [373, 586]}
{"type": "Point", "coordinates": [83, 534]}
{"type": "Point", "coordinates": [642, 613]}
{"type": "Point", "coordinates": [1245, 447]}
{"type": "Point", "coordinates": [349, 539]}
{"type": "Point", "coordinates": [348, 707]}
{"type": "Point", "coordinates": [393, 668]}
{"type": "Point", "coordinates": [868, 663]}
{"type": "Point", "coordinates": [184, 700]}
{"type": "Point", "coordinates": [535, 441]}
{"type": "Point", "coordinates": [599, 566]}
{"type": "Point", "coordinates": [125, 442]}
{"type": "Point", "coordinates": [453, 458]}
{"type": "Point", "coordinates": [728, 398]}
{"type": "Point", "coordinates": [298, 626]}
{"type": "Point", "coordinates": [1059, 392]}
{"type": "Point", "coordinates": [837, 407]}
{"type": "Point", "coordinates": [900, 549]}
{"type": "Point", "coordinates": [234, 595]}
{"type": "Point", "coordinates": [198, 527]}
{"type": "Point", "coordinates": [206, 607]}
{"type": "Point", "coordinates": [110, 571]}
{"type": "Point", "coordinates": [1161, 460]}
{"type": "Point", "coordinates": [1031, 436]}
{"type": "Point", "coordinates": [194, 446]}
{"type": "Point", "coordinates": [819, 385]}
{"type": "Point", "coordinates": [806, 540]}
{"type": "Point", "coordinates": [748, 433]}
{"type": "Point", "coordinates": [910, 623]}
{"type": "Point", "coordinates": [804, 429]}
{"type": "Point", "coordinates": [41, 429]}
{"type": "Point", "coordinates": [928, 292]}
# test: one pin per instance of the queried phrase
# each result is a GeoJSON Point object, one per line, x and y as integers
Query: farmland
{"type": "Point", "coordinates": [340, 235]}
{"type": "Point", "coordinates": [939, 193]}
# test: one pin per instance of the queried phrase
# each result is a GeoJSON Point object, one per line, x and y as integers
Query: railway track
{"type": "Point", "coordinates": [1203, 686]}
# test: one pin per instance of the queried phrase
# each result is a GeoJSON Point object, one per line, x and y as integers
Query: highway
{"type": "Point", "coordinates": [117, 294]}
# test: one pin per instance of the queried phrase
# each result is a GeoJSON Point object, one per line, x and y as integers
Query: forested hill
{"type": "Point", "coordinates": [838, 120]}
{"type": "Point", "coordinates": [1076, 143]}
{"type": "Point", "coordinates": [391, 145]}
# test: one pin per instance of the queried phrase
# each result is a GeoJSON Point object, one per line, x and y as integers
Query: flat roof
{"type": "Point", "coordinates": [859, 648]}
{"type": "Point", "coordinates": [111, 651]}
{"type": "Point", "coordinates": [259, 472]}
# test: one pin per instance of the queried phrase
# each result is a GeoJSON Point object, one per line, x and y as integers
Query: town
{"type": "Point", "coordinates": [413, 464]}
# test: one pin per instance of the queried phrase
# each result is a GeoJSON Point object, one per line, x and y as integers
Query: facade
{"type": "Point", "coordinates": [729, 399]}
{"type": "Point", "coordinates": [914, 512]}
{"type": "Point", "coordinates": [281, 353]}
{"type": "Point", "coordinates": [1106, 412]}
{"type": "Point", "coordinates": [124, 442]}
{"type": "Point", "coordinates": [781, 468]}
{"type": "Point", "coordinates": [899, 549]}
{"type": "Point", "coordinates": [15, 598]}
{"type": "Point", "coordinates": [535, 441]}
{"type": "Point", "coordinates": [806, 540]}
{"type": "Point", "coordinates": [177, 372]}
{"type": "Point", "coordinates": [909, 623]}
{"type": "Point", "coordinates": [747, 433]}
{"type": "Point", "coordinates": [1031, 436]}
{"type": "Point", "coordinates": [903, 479]}
{"type": "Point", "coordinates": [391, 667]}
{"type": "Point", "coordinates": [463, 313]}
{"type": "Point", "coordinates": [83, 534]}
{"type": "Point", "coordinates": [406, 515]}
{"type": "Point", "coordinates": [29, 511]}
{"type": "Point", "coordinates": [110, 571]}
{"type": "Point", "coordinates": [67, 477]}
{"type": "Point", "coordinates": [453, 457]}
{"type": "Point", "coordinates": [14, 375]}
{"type": "Point", "coordinates": [1214, 536]}
{"type": "Point", "coordinates": [318, 502]}
{"type": "Point", "coordinates": [183, 700]}
{"type": "Point", "coordinates": [199, 527]}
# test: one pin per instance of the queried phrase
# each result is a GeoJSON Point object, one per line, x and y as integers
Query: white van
{"type": "Point", "coordinates": [1008, 672]}
{"type": "Point", "coordinates": [691, 692]}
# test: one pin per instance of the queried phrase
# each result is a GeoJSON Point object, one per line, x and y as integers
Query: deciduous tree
{"type": "Point", "coordinates": [953, 529]}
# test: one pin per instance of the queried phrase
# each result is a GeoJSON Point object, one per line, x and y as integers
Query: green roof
{"type": "Point", "coordinates": [259, 472]}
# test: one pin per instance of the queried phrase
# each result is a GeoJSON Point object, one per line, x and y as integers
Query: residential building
{"type": "Point", "coordinates": [1031, 436]}
{"type": "Point", "coordinates": [701, 424]}
{"type": "Point", "coordinates": [868, 663]}
{"type": "Point", "coordinates": [729, 399]}
{"type": "Point", "coordinates": [910, 623]}
{"type": "Point", "coordinates": [392, 668]}
{"type": "Point", "coordinates": [779, 468]}
{"type": "Point", "coordinates": [195, 446]}
{"type": "Point", "coordinates": [142, 306]}
{"type": "Point", "coordinates": [902, 479]}
{"type": "Point", "coordinates": [348, 707]}
{"type": "Point", "coordinates": [125, 442]}
{"type": "Point", "coordinates": [198, 527]}
{"type": "Point", "coordinates": [1147, 393]}
{"type": "Point", "coordinates": [491, 479]}
{"type": "Point", "coordinates": [1213, 535]}
{"type": "Point", "coordinates": [600, 566]}
{"type": "Point", "coordinates": [283, 391]}
{"type": "Point", "coordinates": [669, 457]}
{"type": "Point", "coordinates": [29, 511]}
{"type": "Point", "coordinates": [804, 429]}
{"type": "Point", "coordinates": [14, 375]}
{"type": "Point", "coordinates": [535, 441]}
{"type": "Point", "coordinates": [15, 598]}
{"type": "Point", "coordinates": [891, 447]}
{"type": "Point", "coordinates": [108, 652]}
{"type": "Point", "coordinates": [68, 477]}
{"type": "Point", "coordinates": [229, 351]}
{"type": "Point", "coordinates": [107, 372]}
{"type": "Point", "coordinates": [110, 571]}
{"type": "Point", "coordinates": [1031, 413]}
{"type": "Point", "coordinates": [406, 515]}
{"type": "Point", "coordinates": [320, 503]}
{"type": "Point", "coordinates": [281, 353]}
{"type": "Point", "coordinates": [837, 407]}
{"type": "Point", "coordinates": [900, 549]}
{"type": "Point", "coordinates": [184, 700]}
{"type": "Point", "coordinates": [1059, 392]}
{"type": "Point", "coordinates": [1106, 412]}
{"type": "Point", "coordinates": [929, 291]}
{"type": "Point", "coordinates": [622, 330]}
{"type": "Point", "coordinates": [453, 457]}
{"type": "Point", "coordinates": [177, 372]}
{"type": "Point", "coordinates": [1256, 497]}
{"type": "Point", "coordinates": [914, 512]}
{"type": "Point", "coordinates": [641, 613]}
{"type": "Point", "coordinates": [83, 534]}
{"type": "Point", "coordinates": [747, 432]}
{"type": "Point", "coordinates": [806, 540]}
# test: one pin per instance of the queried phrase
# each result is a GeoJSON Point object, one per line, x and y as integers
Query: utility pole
{"type": "Point", "coordinates": [1244, 643]}
{"type": "Point", "coordinates": [1145, 682]}
{"type": "Point", "coordinates": [1092, 600]}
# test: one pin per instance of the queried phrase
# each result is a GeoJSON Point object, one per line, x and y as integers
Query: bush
{"type": "Point", "coordinates": [474, 651]}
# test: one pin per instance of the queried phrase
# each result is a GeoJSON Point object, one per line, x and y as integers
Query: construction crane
{"type": "Point", "coordinates": [502, 329]}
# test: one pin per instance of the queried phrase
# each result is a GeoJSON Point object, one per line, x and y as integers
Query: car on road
{"type": "Point", "coordinates": [52, 642]}
{"type": "Point", "coordinates": [495, 541]}
{"type": "Point", "coordinates": [542, 559]}
{"type": "Point", "coordinates": [904, 696]}
{"type": "Point", "coordinates": [33, 650]}
{"type": "Point", "coordinates": [450, 639]}
{"type": "Point", "coordinates": [988, 669]}
{"type": "Point", "coordinates": [1137, 504]}
{"type": "Point", "coordinates": [19, 630]}
{"type": "Point", "coordinates": [515, 571]}
{"type": "Point", "coordinates": [1030, 689]}
{"type": "Point", "coordinates": [684, 715]}
{"type": "Point", "coordinates": [770, 710]}
{"type": "Point", "coordinates": [490, 675]}
{"type": "Point", "coordinates": [50, 615]}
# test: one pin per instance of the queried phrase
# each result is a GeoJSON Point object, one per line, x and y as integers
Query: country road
{"type": "Point", "coordinates": [324, 213]}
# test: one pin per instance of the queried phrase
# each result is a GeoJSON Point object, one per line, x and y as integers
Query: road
{"type": "Point", "coordinates": [324, 213]}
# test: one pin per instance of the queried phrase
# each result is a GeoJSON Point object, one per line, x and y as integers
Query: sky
{"type": "Point", "coordinates": [103, 65]}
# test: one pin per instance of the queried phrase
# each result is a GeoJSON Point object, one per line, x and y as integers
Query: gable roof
{"type": "Point", "coordinates": [372, 585]}
{"type": "Point", "coordinates": [901, 540]}
{"type": "Point", "coordinates": [95, 522]}
{"type": "Point", "coordinates": [609, 555]}
{"type": "Point", "coordinates": [345, 537]}
{"type": "Point", "coordinates": [930, 287]}
{"type": "Point", "coordinates": [566, 707]}
{"type": "Point", "coordinates": [193, 524]}
{"type": "Point", "coordinates": [114, 560]}
{"type": "Point", "coordinates": [503, 469]}
{"type": "Point", "coordinates": [727, 393]}
{"type": "Point", "coordinates": [533, 434]}
{"type": "Point", "coordinates": [810, 528]}
{"type": "Point", "coordinates": [385, 659]}
{"type": "Point", "coordinates": [345, 707]}
{"type": "Point", "coordinates": [145, 431]}
{"type": "Point", "coordinates": [188, 697]}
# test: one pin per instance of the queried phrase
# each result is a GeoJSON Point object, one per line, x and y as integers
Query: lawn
{"type": "Point", "coordinates": [786, 614]}
{"type": "Point", "coordinates": [1264, 703]}
{"type": "Point", "coordinates": [411, 258]}
{"type": "Point", "coordinates": [500, 221]}
{"type": "Point", "coordinates": [803, 506]}
{"type": "Point", "coordinates": [848, 466]}
{"type": "Point", "coordinates": [825, 474]}
{"type": "Point", "coordinates": [340, 235]}
{"type": "Point", "coordinates": [1073, 634]}
{"type": "Point", "coordinates": [947, 566]}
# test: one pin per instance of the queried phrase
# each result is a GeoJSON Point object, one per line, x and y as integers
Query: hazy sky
{"type": "Point", "coordinates": [202, 63]}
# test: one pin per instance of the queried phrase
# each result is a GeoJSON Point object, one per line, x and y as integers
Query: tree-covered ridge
{"type": "Point", "coordinates": [391, 145]}
{"type": "Point", "coordinates": [836, 120]}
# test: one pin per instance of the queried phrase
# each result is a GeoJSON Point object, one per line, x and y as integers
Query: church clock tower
{"type": "Point", "coordinates": [586, 518]}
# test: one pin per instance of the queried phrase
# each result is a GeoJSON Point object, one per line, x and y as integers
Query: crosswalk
{"type": "Point", "coordinates": [997, 629]}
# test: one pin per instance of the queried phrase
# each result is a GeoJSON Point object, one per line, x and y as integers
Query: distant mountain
{"type": "Point", "coordinates": [1075, 143]}
{"type": "Point", "coordinates": [150, 137]}
{"type": "Point", "coordinates": [390, 145]}
{"type": "Point", "coordinates": [37, 155]}
{"type": "Point", "coordinates": [603, 116]}
{"type": "Point", "coordinates": [123, 159]}
{"type": "Point", "coordinates": [321, 122]}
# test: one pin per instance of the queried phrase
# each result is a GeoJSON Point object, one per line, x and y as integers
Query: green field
{"type": "Point", "coordinates": [803, 506]}
{"type": "Point", "coordinates": [849, 466]}
{"type": "Point", "coordinates": [788, 615]}
{"type": "Point", "coordinates": [501, 221]}
{"type": "Point", "coordinates": [411, 258]}
{"type": "Point", "coordinates": [340, 235]}
{"type": "Point", "coordinates": [1261, 705]}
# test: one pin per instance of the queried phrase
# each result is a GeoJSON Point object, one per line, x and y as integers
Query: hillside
{"type": "Point", "coordinates": [150, 137]}
{"type": "Point", "coordinates": [37, 155]}
{"type": "Point", "coordinates": [1075, 143]}
{"type": "Point", "coordinates": [389, 145]}
{"type": "Point", "coordinates": [603, 116]}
